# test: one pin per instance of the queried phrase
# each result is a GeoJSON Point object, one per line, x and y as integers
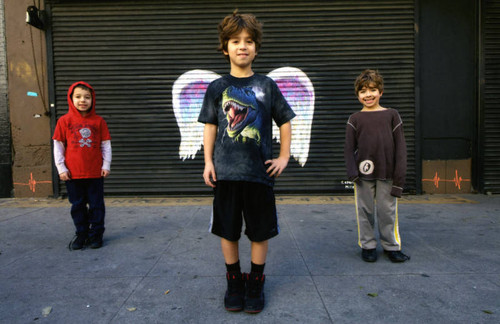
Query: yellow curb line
{"type": "Point", "coordinates": [204, 201]}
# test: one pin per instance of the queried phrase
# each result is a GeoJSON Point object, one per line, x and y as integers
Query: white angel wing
{"type": "Point", "coordinates": [187, 98]}
{"type": "Point", "coordinates": [298, 91]}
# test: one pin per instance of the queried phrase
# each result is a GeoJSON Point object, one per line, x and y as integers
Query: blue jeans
{"type": "Point", "coordinates": [83, 192]}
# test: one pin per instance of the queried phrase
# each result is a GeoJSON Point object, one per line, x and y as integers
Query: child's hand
{"type": "Point", "coordinates": [277, 166]}
{"type": "Point", "coordinates": [105, 173]}
{"type": "Point", "coordinates": [209, 175]}
{"type": "Point", "coordinates": [65, 176]}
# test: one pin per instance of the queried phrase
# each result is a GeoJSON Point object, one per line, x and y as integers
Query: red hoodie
{"type": "Point", "coordinates": [82, 137]}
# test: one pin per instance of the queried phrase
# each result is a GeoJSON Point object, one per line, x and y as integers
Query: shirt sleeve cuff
{"type": "Point", "coordinates": [106, 165]}
{"type": "Point", "coordinates": [396, 191]}
{"type": "Point", "coordinates": [61, 168]}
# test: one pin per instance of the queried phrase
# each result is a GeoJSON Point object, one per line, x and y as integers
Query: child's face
{"type": "Point", "coordinates": [82, 99]}
{"type": "Point", "coordinates": [241, 50]}
{"type": "Point", "coordinates": [369, 97]}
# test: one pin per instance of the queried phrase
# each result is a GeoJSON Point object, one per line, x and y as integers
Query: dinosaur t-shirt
{"type": "Point", "coordinates": [243, 109]}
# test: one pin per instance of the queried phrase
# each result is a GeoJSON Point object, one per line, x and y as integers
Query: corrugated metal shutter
{"type": "Point", "coordinates": [133, 51]}
{"type": "Point", "coordinates": [491, 93]}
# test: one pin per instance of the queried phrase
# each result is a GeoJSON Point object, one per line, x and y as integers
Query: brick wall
{"type": "Point", "coordinates": [27, 90]}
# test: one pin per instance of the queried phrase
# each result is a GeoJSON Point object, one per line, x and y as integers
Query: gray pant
{"type": "Point", "coordinates": [386, 208]}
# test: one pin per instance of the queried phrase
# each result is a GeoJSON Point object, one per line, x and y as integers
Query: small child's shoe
{"type": "Point", "coordinates": [397, 256]}
{"type": "Point", "coordinates": [254, 295]}
{"type": "Point", "coordinates": [235, 293]}
{"type": "Point", "coordinates": [95, 241]}
{"type": "Point", "coordinates": [79, 241]}
{"type": "Point", "coordinates": [369, 255]}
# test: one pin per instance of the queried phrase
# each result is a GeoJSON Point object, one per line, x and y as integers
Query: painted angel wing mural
{"type": "Point", "coordinates": [299, 93]}
{"type": "Point", "coordinates": [187, 97]}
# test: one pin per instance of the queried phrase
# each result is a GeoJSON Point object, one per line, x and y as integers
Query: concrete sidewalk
{"type": "Point", "coordinates": [160, 265]}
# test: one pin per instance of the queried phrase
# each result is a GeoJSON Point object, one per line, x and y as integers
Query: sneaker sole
{"type": "Point", "coordinates": [398, 261]}
{"type": "Point", "coordinates": [253, 311]}
{"type": "Point", "coordinates": [369, 260]}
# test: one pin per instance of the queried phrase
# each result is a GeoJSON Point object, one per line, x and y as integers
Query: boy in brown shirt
{"type": "Point", "coordinates": [375, 156]}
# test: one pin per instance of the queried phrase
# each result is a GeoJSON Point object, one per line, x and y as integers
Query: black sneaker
{"type": "Point", "coordinates": [79, 241]}
{"type": "Point", "coordinates": [369, 255]}
{"type": "Point", "coordinates": [397, 256]}
{"type": "Point", "coordinates": [95, 241]}
{"type": "Point", "coordinates": [235, 293]}
{"type": "Point", "coordinates": [254, 295]}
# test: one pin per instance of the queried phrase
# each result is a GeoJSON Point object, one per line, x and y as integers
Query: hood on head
{"type": "Point", "coordinates": [72, 108]}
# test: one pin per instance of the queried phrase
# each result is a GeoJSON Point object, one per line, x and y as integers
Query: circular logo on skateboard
{"type": "Point", "coordinates": [366, 167]}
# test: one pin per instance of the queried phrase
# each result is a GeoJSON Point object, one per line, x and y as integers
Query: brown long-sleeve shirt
{"type": "Point", "coordinates": [375, 147]}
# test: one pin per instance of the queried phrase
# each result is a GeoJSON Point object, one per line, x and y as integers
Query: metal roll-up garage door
{"type": "Point", "coordinates": [133, 52]}
{"type": "Point", "coordinates": [491, 95]}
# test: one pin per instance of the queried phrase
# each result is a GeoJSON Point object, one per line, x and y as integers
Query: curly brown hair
{"type": "Point", "coordinates": [369, 78]}
{"type": "Point", "coordinates": [233, 24]}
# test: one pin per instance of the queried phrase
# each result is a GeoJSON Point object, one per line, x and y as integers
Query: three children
{"type": "Point", "coordinates": [238, 111]}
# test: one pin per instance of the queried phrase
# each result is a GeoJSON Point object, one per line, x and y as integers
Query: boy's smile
{"type": "Point", "coordinates": [82, 99]}
{"type": "Point", "coordinates": [241, 51]}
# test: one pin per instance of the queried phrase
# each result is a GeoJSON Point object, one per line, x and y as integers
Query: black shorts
{"type": "Point", "coordinates": [238, 200]}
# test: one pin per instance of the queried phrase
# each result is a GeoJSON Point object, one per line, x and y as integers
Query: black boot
{"type": "Point", "coordinates": [254, 295]}
{"type": "Point", "coordinates": [235, 293]}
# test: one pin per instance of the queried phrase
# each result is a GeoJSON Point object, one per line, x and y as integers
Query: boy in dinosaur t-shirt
{"type": "Point", "coordinates": [238, 110]}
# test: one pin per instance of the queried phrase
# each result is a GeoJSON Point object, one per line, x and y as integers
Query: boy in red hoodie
{"type": "Point", "coordinates": [82, 154]}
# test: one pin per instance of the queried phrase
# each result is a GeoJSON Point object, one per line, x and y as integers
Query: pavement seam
{"type": "Point", "coordinates": [22, 214]}
{"type": "Point", "coordinates": [307, 267]}
{"type": "Point", "coordinates": [179, 232]}
{"type": "Point", "coordinates": [207, 200]}
{"type": "Point", "coordinates": [24, 256]}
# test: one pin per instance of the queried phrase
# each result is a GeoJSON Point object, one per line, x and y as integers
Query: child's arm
{"type": "Point", "coordinates": [209, 134]}
{"type": "Point", "coordinates": [350, 147]}
{"type": "Point", "coordinates": [59, 159]}
{"type": "Point", "coordinates": [106, 158]}
{"type": "Point", "coordinates": [278, 165]}
{"type": "Point", "coordinates": [400, 161]}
